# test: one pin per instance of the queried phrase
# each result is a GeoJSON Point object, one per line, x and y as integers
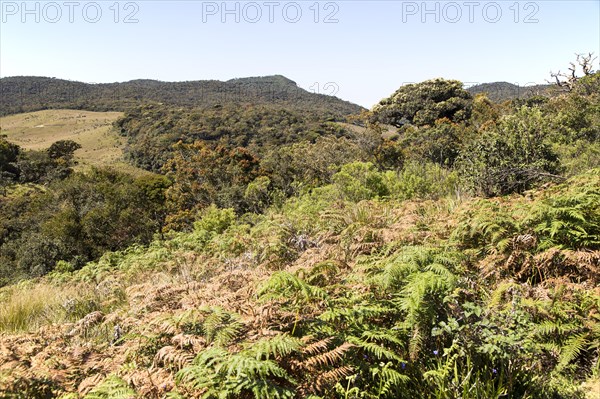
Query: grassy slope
{"type": "Point", "coordinates": [101, 144]}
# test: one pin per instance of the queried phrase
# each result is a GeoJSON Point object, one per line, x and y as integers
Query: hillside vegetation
{"type": "Point", "coordinates": [329, 298]}
{"type": "Point", "coordinates": [439, 246]}
{"type": "Point", "coordinates": [504, 91]}
{"type": "Point", "coordinates": [31, 93]}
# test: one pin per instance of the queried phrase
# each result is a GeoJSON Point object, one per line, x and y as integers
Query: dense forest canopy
{"type": "Point", "coordinates": [151, 130]}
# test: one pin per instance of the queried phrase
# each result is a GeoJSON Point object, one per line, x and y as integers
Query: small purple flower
{"type": "Point", "coordinates": [435, 352]}
{"type": "Point", "coordinates": [494, 371]}
{"type": "Point", "coordinates": [403, 365]}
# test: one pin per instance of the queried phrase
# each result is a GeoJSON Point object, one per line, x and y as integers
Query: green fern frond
{"type": "Point", "coordinates": [210, 356]}
{"type": "Point", "coordinates": [287, 285]}
{"type": "Point", "coordinates": [382, 336]}
{"type": "Point", "coordinates": [553, 328]}
{"type": "Point", "coordinates": [357, 313]}
{"type": "Point", "coordinates": [410, 260]}
{"type": "Point", "coordinates": [244, 364]}
{"type": "Point", "coordinates": [112, 387]}
{"type": "Point", "coordinates": [220, 374]}
{"type": "Point", "coordinates": [389, 379]}
{"type": "Point", "coordinates": [497, 296]}
{"type": "Point", "coordinates": [277, 346]}
{"type": "Point", "coordinates": [376, 350]}
{"type": "Point", "coordinates": [572, 348]}
{"type": "Point", "coordinates": [220, 326]}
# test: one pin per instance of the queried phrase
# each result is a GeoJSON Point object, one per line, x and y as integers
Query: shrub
{"type": "Point", "coordinates": [511, 158]}
{"type": "Point", "coordinates": [421, 180]}
{"type": "Point", "coordinates": [360, 181]}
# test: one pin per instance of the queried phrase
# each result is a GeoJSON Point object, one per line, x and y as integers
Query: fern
{"type": "Point", "coordinates": [277, 346]}
{"type": "Point", "coordinates": [503, 289]}
{"type": "Point", "coordinates": [328, 358]}
{"type": "Point", "coordinates": [297, 294]}
{"type": "Point", "coordinates": [322, 365]}
{"type": "Point", "coordinates": [572, 348]}
{"type": "Point", "coordinates": [112, 387]}
{"type": "Point", "coordinates": [382, 335]}
{"type": "Point", "coordinates": [287, 285]}
{"type": "Point", "coordinates": [172, 357]}
{"type": "Point", "coordinates": [410, 260]}
{"type": "Point", "coordinates": [387, 379]}
{"type": "Point", "coordinates": [345, 311]}
{"type": "Point", "coordinates": [220, 326]}
{"type": "Point", "coordinates": [221, 374]}
{"type": "Point", "coordinates": [375, 350]}
{"type": "Point", "coordinates": [317, 346]}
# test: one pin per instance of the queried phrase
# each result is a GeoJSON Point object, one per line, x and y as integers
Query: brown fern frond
{"type": "Point", "coordinates": [155, 383]}
{"type": "Point", "coordinates": [576, 265]}
{"type": "Point", "coordinates": [331, 377]}
{"type": "Point", "coordinates": [185, 341]}
{"type": "Point", "coordinates": [524, 242]}
{"type": "Point", "coordinates": [171, 356]}
{"type": "Point", "coordinates": [363, 248]}
{"type": "Point", "coordinates": [329, 358]}
{"type": "Point", "coordinates": [87, 322]}
{"type": "Point", "coordinates": [317, 347]}
{"type": "Point", "coordinates": [586, 262]}
{"type": "Point", "coordinates": [91, 319]}
{"type": "Point", "coordinates": [90, 383]}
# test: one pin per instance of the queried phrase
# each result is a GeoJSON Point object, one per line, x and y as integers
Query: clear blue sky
{"type": "Point", "coordinates": [372, 49]}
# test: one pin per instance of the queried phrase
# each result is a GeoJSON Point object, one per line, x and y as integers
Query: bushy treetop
{"type": "Point", "coordinates": [423, 103]}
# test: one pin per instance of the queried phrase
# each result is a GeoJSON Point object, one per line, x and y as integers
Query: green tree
{"type": "Point", "coordinates": [54, 163]}
{"type": "Point", "coordinates": [439, 143]}
{"type": "Point", "coordinates": [309, 164]}
{"type": "Point", "coordinates": [423, 103]}
{"type": "Point", "coordinates": [154, 188]}
{"type": "Point", "coordinates": [576, 115]}
{"type": "Point", "coordinates": [9, 153]}
{"type": "Point", "coordinates": [203, 175]}
{"type": "Point", "coordinates": [63, 149]}
{"type": "Point", "coordinates": [77, 220]}
{"type": "Point", "coordinates": [390, 155]}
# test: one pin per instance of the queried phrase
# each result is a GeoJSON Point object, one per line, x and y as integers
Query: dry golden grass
{"type": "Point", "coordinates": [100, 142]}
{"type": "Point", "coordinates": [29, 306]}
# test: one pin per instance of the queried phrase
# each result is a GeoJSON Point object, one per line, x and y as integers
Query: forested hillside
{"type": "Point", "coordinates": [439, 246]}
{"type": "Point", "coordinates": [32, 93]}
{"type": "Point", "coordinates": [504, 91]}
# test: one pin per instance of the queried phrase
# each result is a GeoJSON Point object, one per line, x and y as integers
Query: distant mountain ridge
{"type": "Point", "coordinates": [33, 93]}
{"type": "Point", "coordinates": [503, 91]}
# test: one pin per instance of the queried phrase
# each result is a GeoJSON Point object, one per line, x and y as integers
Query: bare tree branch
{"type": "Point", "coordinates": [567, 81]}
